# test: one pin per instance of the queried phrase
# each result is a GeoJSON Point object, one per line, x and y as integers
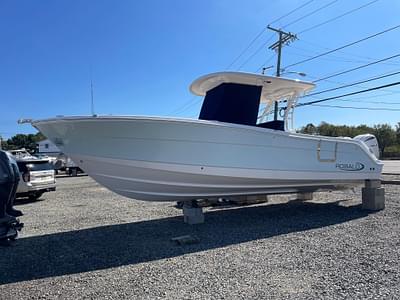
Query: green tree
{"type": "Point", "coordinates": [363, 129]}
{"type": "Point", "coordinates": [309, 129]}
{"type": "Point", "coordinates": [27, 141]}
{"type": "Point", "coordinates": [327, 129]}
{"type": "Point", "coordinates": [398, 133]}
{"type": "Point", "coordinates": [386, 136]}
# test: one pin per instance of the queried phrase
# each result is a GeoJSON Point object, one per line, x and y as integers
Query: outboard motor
{"type": "Point", "coordinates": [9, 177]}
{"type": "Point", "coordinates": [371, 142]}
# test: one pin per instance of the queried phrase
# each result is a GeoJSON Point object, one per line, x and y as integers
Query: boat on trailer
{"type": "Point", "coordinates": [231, 150]}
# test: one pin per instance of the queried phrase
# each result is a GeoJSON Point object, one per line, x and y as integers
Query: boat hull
{"type": "Point", "coordinates": [160, 159]}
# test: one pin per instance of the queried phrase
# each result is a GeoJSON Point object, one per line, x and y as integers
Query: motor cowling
{"type": "Point", "coordinates": [371, 142]}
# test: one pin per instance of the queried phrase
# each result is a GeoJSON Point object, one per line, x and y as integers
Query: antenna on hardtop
{"type": "Point", "coordinates": [91, 92]}
{"type": "Point", "coordinates": [265, 68]}
{"type": "Point", "coordinates": [91, 96]}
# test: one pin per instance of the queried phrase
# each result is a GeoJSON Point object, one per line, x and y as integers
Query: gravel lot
{"type": "Point", "coordinates": [84, 241]}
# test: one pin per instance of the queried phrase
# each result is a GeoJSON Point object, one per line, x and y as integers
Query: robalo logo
{"type": "Point", "coordinates": [350, 166]}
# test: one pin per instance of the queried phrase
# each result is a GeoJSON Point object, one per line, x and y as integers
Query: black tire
{"type": "Point", "coordinates": [35, 196]}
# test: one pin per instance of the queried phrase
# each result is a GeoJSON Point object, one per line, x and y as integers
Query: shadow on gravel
{"type": "Point", "coordinates": [124, 244]}
{"type": "Point", "coordinates": [26, 200]}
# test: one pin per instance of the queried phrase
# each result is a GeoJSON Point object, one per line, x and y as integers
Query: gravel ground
{"type": "Point", "coordinates": [85, 242]}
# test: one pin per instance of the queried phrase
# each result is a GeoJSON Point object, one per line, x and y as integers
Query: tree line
{"type": "Point", "coordinates": [388, 137]}
{"type": "Point", "coordinates": [18, 141]}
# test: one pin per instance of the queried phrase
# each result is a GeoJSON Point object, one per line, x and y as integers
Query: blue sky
{"type": "Point", "coordinates": [143, 55]}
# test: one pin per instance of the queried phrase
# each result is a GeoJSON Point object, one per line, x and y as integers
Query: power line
{"type": "Point", "coordinates": [368, 58]}
{"type": "Point", "coordinates": [311, 13]}
{"type": "Point", "coordinates": [184, 106]}
{"type": "Point", "coordinates": [292, 11]}
{"type": "Point", "coordinates": [255, 52]}
{"type": "Point", "coordinates": [190, 103]}
{"type": "Point", "coordinates": [338, 17]}
{"type": "Point", "coordinates": [367, 97]}
{"type": "Point", "coordinates": [329, 58]}
{"type": "Point", "coordinates": [353, 84]}
{"type": "Point", "coordinates": [337, 83]}
{"type": "Point", "coordinates": [363, 100]}
{"type": "Point", "coordinates": [247, 48]}
{"type": "Point", "coordinates": [258, 35]}
{"type": "Point", "coordinates": [356, 107]}
{"type": "Point", "coordinates": [337, 57]}
{"type": "Point", "coordinates": [344, 46]}
{"type": "Point", "coordinates": [349, 94]}
{"type": "Point", "coordinates": [357, 68]}
{"type": "Point", "coordinates": [265, 43]}
{"type": "Point", "coordinates": [195, 101]}
{"type": "Point", "coordinates": [371, 102]}
{"type": "Point", "coordinates": [358, 83]}
{"type": "Point", "coordinates": [332, 19]}
{"type": "Point", "coordinates": [265, 63]}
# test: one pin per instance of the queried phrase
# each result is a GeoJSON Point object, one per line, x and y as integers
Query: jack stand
{"type": "Point", "coordinates": [304, 196]}
{"type": "Point", "coordinates": [373, 195]}
{"type": "Point", "coordinates": [192, 214]}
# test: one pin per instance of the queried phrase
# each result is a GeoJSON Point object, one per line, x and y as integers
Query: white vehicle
{"type": "Point", "coordinates": [228, 152]}
{"type": "Point", "coordinates": [21, 154]}
{"type": "Point", "coordinates": [37, 177]}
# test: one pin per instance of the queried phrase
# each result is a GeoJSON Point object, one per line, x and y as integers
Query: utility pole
{"type": "Point", "coordinates": [284, 39]}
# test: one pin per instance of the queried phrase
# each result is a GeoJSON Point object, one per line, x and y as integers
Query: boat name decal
{"type": "Point", "coordinates": [350, 166]}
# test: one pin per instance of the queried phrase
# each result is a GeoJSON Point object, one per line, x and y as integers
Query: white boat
{"type": "Point", "coordinates": [227, 152]}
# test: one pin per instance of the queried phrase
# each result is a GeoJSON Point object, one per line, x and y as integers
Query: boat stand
{"type": "Point", "coordinates": [192, 213]}
{"type": "Point", "coordinates": [373, 198]}
{"type": "Point", "coordinates": [373, 195]}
